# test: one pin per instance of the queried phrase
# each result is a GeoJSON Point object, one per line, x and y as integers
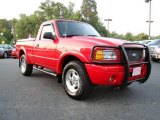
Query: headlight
{"type": "Point", "coordinates": [106, 55]}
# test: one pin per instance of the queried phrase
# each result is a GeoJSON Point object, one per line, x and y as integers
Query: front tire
{"type": "Point", "coordinates": [26, 69]}
{"type": "Point", "coordinates": [75, 80]}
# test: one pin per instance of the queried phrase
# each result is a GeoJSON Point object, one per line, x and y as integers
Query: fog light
{"type": "Point", "coordinates": [112, 78]}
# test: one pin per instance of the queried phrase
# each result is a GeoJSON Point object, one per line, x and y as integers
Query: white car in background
{"type": "Point", "coordinates": [154, 48]}
{"type": "Point", "coordinates": [145, 42]}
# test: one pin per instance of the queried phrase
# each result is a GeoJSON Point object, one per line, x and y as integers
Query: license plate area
{"type": "Point", "coordinates": [136, 71]}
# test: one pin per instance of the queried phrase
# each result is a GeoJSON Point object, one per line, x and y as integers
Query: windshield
{"type": "Point", "coordinates": [71, 28]}
{"type": "Point", "coordinates": [154, 42]}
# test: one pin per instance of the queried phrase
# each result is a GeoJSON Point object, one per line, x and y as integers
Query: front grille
{"type": "Point", "coordinates": [134, 54]}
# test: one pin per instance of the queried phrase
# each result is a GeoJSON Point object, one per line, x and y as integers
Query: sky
{"type": "Point", "coordinates": [126, 15]}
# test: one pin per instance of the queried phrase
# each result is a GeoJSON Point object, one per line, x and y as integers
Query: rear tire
{"type": "Point", "coordinates": [26, 69]}
{"type": "Point", "coordinates": [75, 80]}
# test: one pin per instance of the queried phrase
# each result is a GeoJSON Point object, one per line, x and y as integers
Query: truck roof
{"type": "Point", "coordinates": [55, 20]}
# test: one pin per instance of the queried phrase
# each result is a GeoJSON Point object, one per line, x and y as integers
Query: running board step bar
{"type": "Point", "coordinates": [50, 73]}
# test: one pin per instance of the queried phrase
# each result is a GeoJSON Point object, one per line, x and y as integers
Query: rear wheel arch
{"type": "Point", "coordinates": [26, 69]}
{"type": "Point", "coordinates": [21, 52]}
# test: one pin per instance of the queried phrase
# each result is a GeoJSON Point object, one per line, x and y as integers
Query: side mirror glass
{"type": "Point", "coordinates": [48, 35]}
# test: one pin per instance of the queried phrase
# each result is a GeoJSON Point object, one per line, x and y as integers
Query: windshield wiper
{"type": "Point", "coordinates": [71, 35]}
{"type": "Point", "coordinates": [92, 35]}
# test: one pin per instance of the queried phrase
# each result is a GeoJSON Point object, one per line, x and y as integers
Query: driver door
{"type": "Point", "coordinates": [45, 49]}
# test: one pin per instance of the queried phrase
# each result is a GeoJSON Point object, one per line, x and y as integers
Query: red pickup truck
{"type": "Point", "coordinates": [76, 53]}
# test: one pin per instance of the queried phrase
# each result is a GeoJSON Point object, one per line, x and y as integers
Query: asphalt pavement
{"type": "Point", "coordinates": [40, 97]}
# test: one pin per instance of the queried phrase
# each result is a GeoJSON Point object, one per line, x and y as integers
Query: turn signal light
{"type": "Point", "coordinates": [106, 55]}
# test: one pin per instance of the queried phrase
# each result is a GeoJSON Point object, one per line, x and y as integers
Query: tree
{"type": "Point", "coordinates": [102, 29]}
{"type": "Point", "coordinates": [45, 9]}
{"type": "Point", "coordinates": [6, 31]}
{"type": "Point", "coordinates": [13, 24]}
{"type": "Point", "coordinates": [56, 10]}
{"type": "Point", "coordinates": [70, 11]}
{"type": "Point", "coordinates": [53, 10]}
{"type": "Point", "coordinates": [156, 37]}
{"type": "Point", "coordinates": [26, 25]}
{"type": "Point", "coordinates": [129, 36]}
{"type": "Point", "coordinates": [89, 11]}
{"type": "Point", "coordinates": [114, 34]}
{"type": "Point", "coordinates": [48, 10]}
{"type": "Point", "coordinates": [71, 14]}
{"type": "Point", "coordinates": [142, 36]}
{"type": "Point", "coordinates": [90, 15]}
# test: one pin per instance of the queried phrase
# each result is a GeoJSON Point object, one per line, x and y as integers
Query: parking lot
{"type": "Point", "coordinates": [40, 97]}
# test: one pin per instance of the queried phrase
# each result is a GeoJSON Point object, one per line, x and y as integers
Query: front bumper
{"type": "Point", "coordinates": [119, 73]}
{"type": "Point", "coordinates": [113, 74]}
{"type": "Point", "coordinates": [105, 75]}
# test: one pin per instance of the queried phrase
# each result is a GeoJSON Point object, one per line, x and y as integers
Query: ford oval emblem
{"type": "Point", "coordinates": [133, 54]}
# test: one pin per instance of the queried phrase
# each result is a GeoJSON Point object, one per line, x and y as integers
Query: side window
{"type": "Point", "coordinates": [47, 28]}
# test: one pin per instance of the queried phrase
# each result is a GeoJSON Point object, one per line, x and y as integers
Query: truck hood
{"type": "Point", "coordinates": [92, 41]}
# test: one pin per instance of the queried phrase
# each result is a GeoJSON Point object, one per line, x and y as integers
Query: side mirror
{"type": "Point", "coordinates": [48, 35]}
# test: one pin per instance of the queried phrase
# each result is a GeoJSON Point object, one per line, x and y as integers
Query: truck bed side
{"type": "Point", "coordinates": [25, 46]}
